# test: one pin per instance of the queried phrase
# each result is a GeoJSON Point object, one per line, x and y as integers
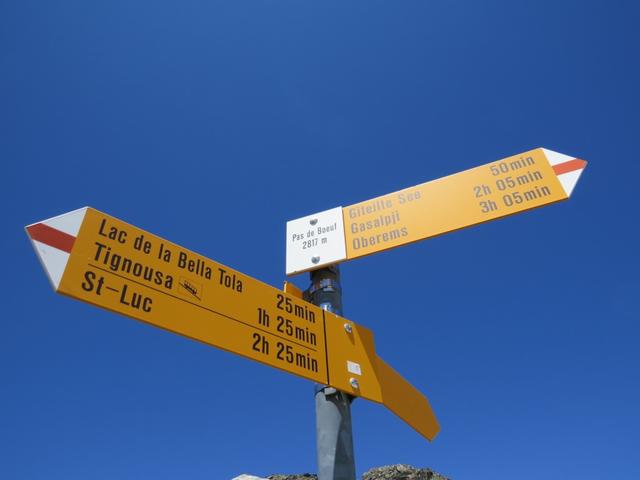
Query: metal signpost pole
{"type": "Point", "coordinates": [334, 437]}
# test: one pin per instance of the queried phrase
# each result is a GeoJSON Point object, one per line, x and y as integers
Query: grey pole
{"type": "Point", "coordinates": [334, 437]}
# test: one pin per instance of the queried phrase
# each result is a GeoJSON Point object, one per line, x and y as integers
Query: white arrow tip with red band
{"type": "Point", "coordinates": [53, 240]}
{"type": "Point", "coordinates": [568, 169]}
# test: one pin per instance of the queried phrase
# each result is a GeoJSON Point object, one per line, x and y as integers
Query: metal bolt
{"type": "Point", "coordinates": [313, 221]}
{"type": "Point", "coordinates": [354, 382]}
{"type": "Point", "coordinates": [348, 328]}
{"type": "Point", "coordinates": [315, 260]}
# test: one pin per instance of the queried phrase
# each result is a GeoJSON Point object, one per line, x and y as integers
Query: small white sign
{"type": "Point", "coordinates": [353, 367]}
{"type": "Point", "coordinates": [315, 241]}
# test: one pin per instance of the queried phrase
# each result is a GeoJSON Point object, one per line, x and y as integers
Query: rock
{"type": "Point", "coordinates": [304, 476]}
{"type": "Point", "coordinates": [248, 477]}
{"type": "Point", "coordinates": [402, 472]}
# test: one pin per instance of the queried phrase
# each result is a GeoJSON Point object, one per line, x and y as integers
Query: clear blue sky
{"type": "Point", "coordinates": [212, 123]}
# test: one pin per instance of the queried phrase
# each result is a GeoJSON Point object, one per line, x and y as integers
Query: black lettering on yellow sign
{"type": "Point", "coordinates": [119, 267]}
{"type": "Point", "coordinates": [230, 280]}
{"type": "Point", "coordinates": [90, 285]}
{"type": "Point", "coordinates": [111, 232]}
{"type": "Point", "coordinates": [197, 265]}
{"type": "Point", "coordinates": [127, 296]}
{"type": "Point", "coordinates": [121, 264]}
{"type": "Point", "coordinates": [135, 300]}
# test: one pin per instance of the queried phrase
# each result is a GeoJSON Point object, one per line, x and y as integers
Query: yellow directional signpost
{"type": "Point", "coordinates": [96, 258]}
{"type": "Point", "coordinates": [91, 256]}
{"type": "Point", "coordinates": [498, 189]}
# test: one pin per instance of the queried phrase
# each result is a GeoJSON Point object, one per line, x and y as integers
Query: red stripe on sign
{"type": "Point", "coordinates": [52, 237]}
{"type": "Point", "coordinates": [570, 166]}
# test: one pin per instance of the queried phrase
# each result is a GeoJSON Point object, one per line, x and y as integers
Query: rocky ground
{"type": "Point", "coordinates": [391, 472]}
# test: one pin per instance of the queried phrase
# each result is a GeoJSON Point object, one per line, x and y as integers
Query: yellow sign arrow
{"type": "Point", "coordinates": [91, 256]}
{"type": "Point", "coordinates": [498, 189]}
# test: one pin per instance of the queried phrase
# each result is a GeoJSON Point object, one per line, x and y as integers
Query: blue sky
{"type": "Point", "coordinates": [213, 123]}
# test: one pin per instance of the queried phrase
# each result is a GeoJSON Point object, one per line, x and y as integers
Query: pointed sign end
{"type": "Point", "coordinates": [567, 168]}
{"type": "Point", "coordinates": [406, 401]}
{"type": "Point", "coordinates": [53, 239]}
